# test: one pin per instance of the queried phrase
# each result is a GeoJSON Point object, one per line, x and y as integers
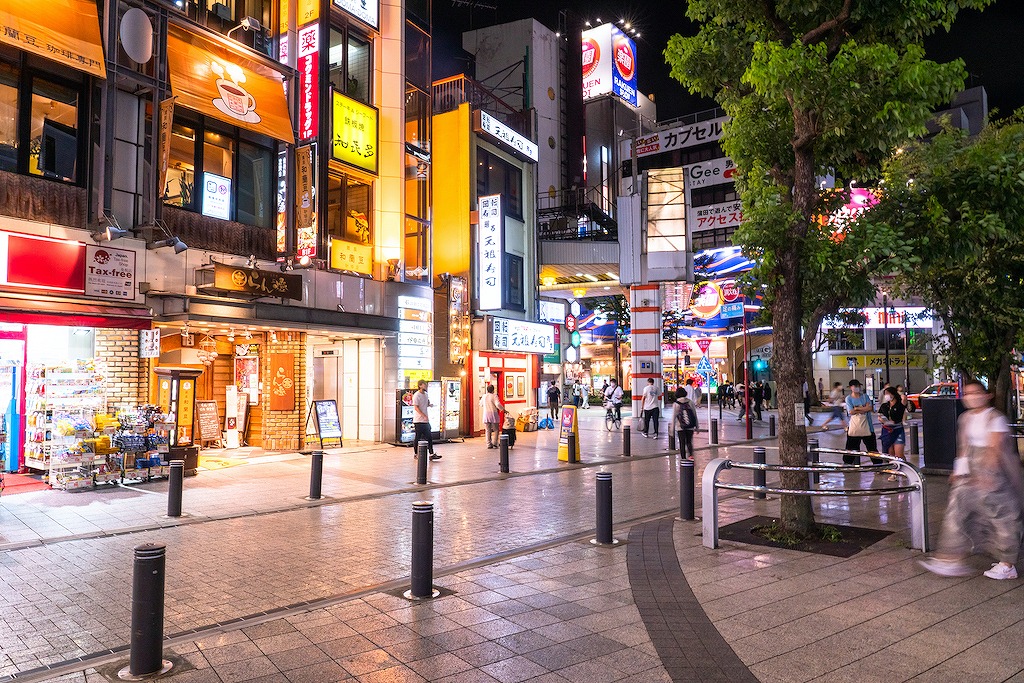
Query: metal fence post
{"type": "Point", "coordinates": [686, 489]}
{"type": "Point", "coordinates": [771, 425]}
{"type": "Point", "coordinates": [814, 458]}
{"type": "Point", "coordinates": [316, 475]}
{"type": "Point", "coordinates": [148, 571]}
{"type": "Point", "coordinates": [503, 453]}
{"type": "Point", "coordinates": [604, 510]}
{"type": "Point", "coordinates": [760, 476]}
{"type": "Point", "coordinates": [422, 570]}
{"type": "Point", "coordinates": [571, 445]}
{"type": "Point", "coordinates": [709, 501]}
{"type": "Point", "coordinates": [174, 486]}
{"type": "Point", "coordinates": [421, 463]}
{"type": "Point", "coordinates": [625, 441]}
{"type": "Point", "coordinates": [714, 431]}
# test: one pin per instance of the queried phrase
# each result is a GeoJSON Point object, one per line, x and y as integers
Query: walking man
{"type": "Point", "coordinates": [651, 408]}
{"type": "Point", "coordinates": [492, 416]}
{"type": "Point", "coordinates": [554, 397]}
{"type": "Point", "coordinates": [420, 420]}
{"type": "Point", "coordinates": [756, 397]}
{"type": "Point", "coordinates": [684, 421]}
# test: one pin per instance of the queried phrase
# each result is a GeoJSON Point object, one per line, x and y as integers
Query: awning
{"type": "Point", "coordinates": [65, 31]}
{"type": "Point", "coordinates": [37, 311]}
{"type": "Point", "coordinates": [222, 83]}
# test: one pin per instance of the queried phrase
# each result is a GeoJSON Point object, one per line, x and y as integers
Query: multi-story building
{"type": "Point", "coordinates": [251, 179]}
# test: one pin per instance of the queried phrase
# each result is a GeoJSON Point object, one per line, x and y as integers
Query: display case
{"type": "Point", "coordinates": [176, 391]}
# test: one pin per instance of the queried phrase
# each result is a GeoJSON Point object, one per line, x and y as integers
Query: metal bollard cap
{"type": "Point", "coordinates": [177, 463]}
{"type": "Point", "coordinates": [422, 506]}
{"type": "Point", "coordinates": [150, 550]}
{"type": "Point", "coordinates": [686, 463]}
{"type": "Point", "coordinates": [602, 476]}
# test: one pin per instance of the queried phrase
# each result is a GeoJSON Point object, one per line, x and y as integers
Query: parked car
{"type": "Point", "coordinates": [939, 389]}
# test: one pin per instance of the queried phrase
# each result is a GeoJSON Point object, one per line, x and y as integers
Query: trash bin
{"type": "Point", "coordinates": [938, 427]}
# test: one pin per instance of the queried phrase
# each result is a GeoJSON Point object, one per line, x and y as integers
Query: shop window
{"type": "Point", "coordinates": [8, 117]}
{"type": "Point", "coordinates": [417, 187]}
{"type": "Point", "coordinates": [712, 239]}
{"type": "Point", "coordinates": [514, 287]}
{"type": "Point", "coordinates": [348, 210]}
{"type": "Point", "coordinates": [494, 175]}
{"type": "Point", "coordinates": [245, 172]}
{"type": "Point", "coordinates": [417, 251]}
{"type": "Point", "coordinates": [845, 339]}
{"type": "Point", "coordinates": [417, 57]}
{"type": "Point", "coordinates": [417, 118]}
{"type": "Point", "coordinates": [181, 168]}
{"type": "Point", "coordinates": [255, 175]}
{"type": "Point", "coordinates": [895, 338]}
{"type": "Point", "coordinates": [419, 11]}
{"type": "Point", "coordinates": [350, 66]}
{"type": "Point", "coordinates": [716, 194]}
{"type": "Point", "coordinates": [53, 141]}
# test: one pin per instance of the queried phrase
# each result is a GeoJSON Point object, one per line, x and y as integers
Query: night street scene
{"type": "Point", "coordinates": [493, 341]}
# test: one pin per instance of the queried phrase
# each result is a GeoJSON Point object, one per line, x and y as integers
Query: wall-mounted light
{"type": "Point", "coordinates": [172, 241]}
{"type": "Point", "coordinates": [168, 240]}
{"type": "Point", "coordinates": [251, 263]}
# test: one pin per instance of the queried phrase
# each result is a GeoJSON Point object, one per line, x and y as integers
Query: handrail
{"type": "Point", "coordinates": [916, 488]}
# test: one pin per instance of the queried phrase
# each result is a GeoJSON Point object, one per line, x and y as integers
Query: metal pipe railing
{"type": "Point", "coordinates": [916, 488]}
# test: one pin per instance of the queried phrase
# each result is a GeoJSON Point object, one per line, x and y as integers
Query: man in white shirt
{"type": "Point", "coordinates": [420, 420]}
{"type": "Point", "coordinates": [614, 394]}
{"type": "Point", "coordinates": [651, 406]}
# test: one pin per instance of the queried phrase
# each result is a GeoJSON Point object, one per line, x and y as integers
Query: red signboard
{"type": "Point", "coordinates": [42, 263]}
{"type": "Point", "coordinates": [308, 65]}
{"type": "Point", "coordinates": [704, 343]}
{"type": "Point", "coordinates": [570, 323]}
{"type": "Point", "coordinates": [730, 291]}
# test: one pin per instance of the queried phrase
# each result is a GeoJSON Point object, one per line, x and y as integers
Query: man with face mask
{"type": "Point", "coordinates": [861, 427]}
{"type": "Point", "coordinates": [986, 491]}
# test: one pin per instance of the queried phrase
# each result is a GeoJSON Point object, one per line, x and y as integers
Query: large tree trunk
{"type": "Point", "coordinates": [1002, 384]}
{"type": "Point", "coordinates": [796, 514]}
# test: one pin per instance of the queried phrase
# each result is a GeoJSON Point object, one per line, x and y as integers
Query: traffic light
{"type": "Point", "coordinates": [686, 359]}
{"type": "Point", "coordinates": [760, 365]}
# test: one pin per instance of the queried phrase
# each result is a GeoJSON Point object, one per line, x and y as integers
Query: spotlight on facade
{"type": "Point", "coordinates": [172, 241]}
{"type": "Point", "coordinates": [109, 234]}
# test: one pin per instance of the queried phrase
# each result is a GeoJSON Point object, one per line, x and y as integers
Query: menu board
{"type": "Point", "coordinates": [208, 421]}
{"type": "Point", "coordinates": [406, 431]}
{"type": "Point", "coordinates": [328, 424]}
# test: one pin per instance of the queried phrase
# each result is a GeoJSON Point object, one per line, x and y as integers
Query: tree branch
{"type": "Point", "coordinates": [784, 34]}
{"type": "Point", "coordinates": [816, 34]}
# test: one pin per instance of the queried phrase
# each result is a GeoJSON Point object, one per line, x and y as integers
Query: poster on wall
{"type": "Point", "coordinates": [247, 377]}
{"type": "Point", "coordinates": [282, 381]}
{"type": "Point", "coordinates": [109, 272]}
{"type": "Point", "coordinates": [149, 343]}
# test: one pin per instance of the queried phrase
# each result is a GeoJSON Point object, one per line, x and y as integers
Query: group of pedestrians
{"type": "Point", "coordinates": [760, 399]}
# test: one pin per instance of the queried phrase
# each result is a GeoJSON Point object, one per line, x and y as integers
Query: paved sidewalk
{"type": "Point", "coordinates": [533, 600]}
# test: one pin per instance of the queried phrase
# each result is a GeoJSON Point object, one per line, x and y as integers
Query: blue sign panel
{"type": "Point", "coordinates": [624, 67]}
{"type": "Point", "coordinates": [733, 310]}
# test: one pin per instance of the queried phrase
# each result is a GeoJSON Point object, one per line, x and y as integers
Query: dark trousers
{"type": "Point", "coordinates": [423, 433]}
{"type": "Point", "coordinates": [553, 408]}
{"type": "Point", "coordinates": [685, 439]}
{"type": "Point", "coordinates": [652, 414]}
{"type": "Point", "coordinates": [853, 444]}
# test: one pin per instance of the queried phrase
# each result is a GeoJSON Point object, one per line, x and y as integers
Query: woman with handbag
{"type": "Point", "coordinates": [984, 510]}
{"type": "Point", "coordinates": [861, 428]}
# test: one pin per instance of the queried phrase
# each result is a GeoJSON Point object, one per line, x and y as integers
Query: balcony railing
{"type": "Point", "coordinates": [578, 213]}
{"type": "Point", "coordinates": [449, 93]}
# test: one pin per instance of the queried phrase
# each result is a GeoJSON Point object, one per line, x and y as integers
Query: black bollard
{"type": "Point", "coordinates": [760, 476]}
{"type": "Point", "coordinates": [422, 571]}
{"type": "Point", "coordinates": [146, 657]}
{"type": "Point", "coordinates": [503, 453]}
{"type": "Point", "coordinates": [316, 475]}
{"type": "Point", "coordinates": [686, 489]}
{"type": "Point", "coordinates": [574, 455]}
{"type": "Point", "coordinates": [771, 425]}
{"type": "Point", "coordinates": [174, 486]}
{"type": "Point", "coordinates": [915, 447]}
{"type": "Point", "coordinates": [814, 458]}
{"type": "Point", "coordinates": [671, 437]}
{"type": "Point", "coordinates": [714, 432]}
{"type": "Point", "coordinates": [604, 509]}
{"type": "Point", "coordinates": [421, 463]}
{"type": "Point", "coordinates": [625, 441]}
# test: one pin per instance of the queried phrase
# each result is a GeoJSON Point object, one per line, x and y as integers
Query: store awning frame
{"type": "Point", "coordinates": [65, 31]}
{"type": "Point", "coordinates": [72, 313]}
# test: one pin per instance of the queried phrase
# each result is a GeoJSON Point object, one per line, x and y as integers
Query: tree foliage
{"type": "Point", "coordinates": [958, 202]}
{"type": "Point", "coordinates": [813, 87]}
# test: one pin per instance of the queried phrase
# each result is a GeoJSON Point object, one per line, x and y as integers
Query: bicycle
{"type": "Point", "coordinates": [611, 418]}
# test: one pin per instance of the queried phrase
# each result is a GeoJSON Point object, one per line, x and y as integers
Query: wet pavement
{"type": "Point", "coordinates": [312, 582]}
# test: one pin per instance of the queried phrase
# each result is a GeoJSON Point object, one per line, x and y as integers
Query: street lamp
{"type": "Point", "coordinates": [885, 324]}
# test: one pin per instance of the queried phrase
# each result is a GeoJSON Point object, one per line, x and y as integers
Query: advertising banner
{"type": "Point", "coordinates": [354, 129]}
{"type": "Point", "coordinates": [609, 64]}
{"type": "Point", "coordinates": [305, 202]}
{"type": "Point", "coordinates": [109, 272]}
{"type": "Point", "coordinates": [680, 137]}
{"type": "Point", "coordinates": [64, 31]}
{"type": "Point", "coordinates": [490, 253]}
{"type": "Point", "coordinates": [164, 133]}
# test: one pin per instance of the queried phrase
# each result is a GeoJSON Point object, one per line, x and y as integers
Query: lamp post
{"type": "Point", "coordinates": [885, 325]}
{"type": "Point", "coordinates": [906, 363]}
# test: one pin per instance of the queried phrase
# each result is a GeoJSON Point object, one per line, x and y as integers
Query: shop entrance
{"type": "Point", "coordinates": [349, 371]}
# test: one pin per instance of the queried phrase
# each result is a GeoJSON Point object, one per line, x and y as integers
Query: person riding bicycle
{"type": "Point", "coordinates": [613, 394]}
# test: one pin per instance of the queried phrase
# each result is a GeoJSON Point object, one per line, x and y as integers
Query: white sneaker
{"type": "Point", "coordinates": [945, 567]}
{"type": "Point", "coordinates": [1002, 571]}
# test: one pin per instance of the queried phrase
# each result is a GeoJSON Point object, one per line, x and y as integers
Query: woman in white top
{"type": "Point", "coordinates": [984, 511]}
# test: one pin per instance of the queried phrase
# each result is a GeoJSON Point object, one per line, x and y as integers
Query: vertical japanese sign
{"type": "Point", "coordinates": [490, 250]}
{"type": "Point", "coordinates": [308, 65]}
{"type": "Point", "coordinates": [166, 123]}
{"type": "Point", "coordinates": [282, 381]}
{"type": "Point", "coordinates": [282, 43]}
{"type": "Point", "coordinates": [305, 202]}
{"type": "Point", "coordinates": [282, 201]}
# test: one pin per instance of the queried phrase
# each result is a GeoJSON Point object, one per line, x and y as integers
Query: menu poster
{"type": "Point", "coordinates": [328, 424]}
{"type": "Point", "coordinates": [208, 421]}
{"type": "Point", "coordinates": [186, 403]}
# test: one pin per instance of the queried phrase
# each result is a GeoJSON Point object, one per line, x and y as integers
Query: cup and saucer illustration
{"type": "Point", "coordinates": [234, 100]}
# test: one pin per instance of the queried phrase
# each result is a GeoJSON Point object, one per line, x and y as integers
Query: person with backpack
{"type": "Point", "coordinates": [684, 421]}
{"type": "Point", "coordinates": [554, 398]}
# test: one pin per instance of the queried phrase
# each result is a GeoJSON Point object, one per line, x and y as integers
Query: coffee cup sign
{"type": "Point", "coordinates": [234, 100]}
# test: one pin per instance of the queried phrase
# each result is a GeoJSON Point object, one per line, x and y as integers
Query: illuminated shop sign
{"type": "Point", "coordinates": [415, 342]}
{"type": "Point", "coordinates": [519, 336]}
{"type": "Point", "coordinates": [354, 129]}
{"type": "Point", "coordinates": [681, 137]}
{"type": "Point", "coordinates": [216, 196]}
{"type": "Point", "coordinates": [519, 144]}
{"type": "Point", "coordinates": [490, 252]}
{"type": "Point", "coordinates": [915, 317]}
{"type": "Point", "coordinates": [307, 65]}
{"type": "Point", "coordinates": [365, 10]}
{"type": "Point", "coordinates": [609, 64]}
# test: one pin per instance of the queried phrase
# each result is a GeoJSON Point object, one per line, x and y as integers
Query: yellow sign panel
{"type": "Point", "coordinates": [186, 405]}
{"type": "Point", "coordinates": [347, 255]}
{"type": "Point", "coordinates": [840, 361]}
{"type": "Point", "coordinates": [355, 133]}
{"type": "Point", "coordinates": [224, 84]}
{"type": "Point", "coordinates": [568, 423]}
{"type": "Point", "coordinates": [66, 31]}
{"type": "Point", "coordinates": [306, 11]}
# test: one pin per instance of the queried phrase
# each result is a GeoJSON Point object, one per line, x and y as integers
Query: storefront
{"type": "Point", "coordinates": [510, 359]}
